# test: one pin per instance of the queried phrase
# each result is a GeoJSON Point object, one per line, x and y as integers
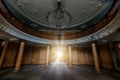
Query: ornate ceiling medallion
{"type": "Point", "coordinates": [59, 17]}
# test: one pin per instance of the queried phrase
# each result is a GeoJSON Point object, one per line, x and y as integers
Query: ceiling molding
{"type": "Point", "coordinates": [110, 28]}
{"type": "Point", "coordinates": [48, 34]}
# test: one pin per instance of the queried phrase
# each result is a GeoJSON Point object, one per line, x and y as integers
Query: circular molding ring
{"type": "Point", "coordinates": [110, 28]}
{"type": "Point", "coordinates": [51, 35]}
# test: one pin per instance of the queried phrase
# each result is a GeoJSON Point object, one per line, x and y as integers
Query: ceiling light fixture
{"type": "Point", "coordinates": [59, 17]}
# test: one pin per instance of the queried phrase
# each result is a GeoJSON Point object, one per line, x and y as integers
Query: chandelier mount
{"type": "Point", "coordinates": [59, 17]}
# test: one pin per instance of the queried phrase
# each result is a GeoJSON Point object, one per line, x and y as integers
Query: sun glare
{"type": "Point", "coordinates": [59, 55]}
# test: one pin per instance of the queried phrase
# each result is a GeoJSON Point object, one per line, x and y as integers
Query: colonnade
{"type": "Point", "coordinates": [69, 48]}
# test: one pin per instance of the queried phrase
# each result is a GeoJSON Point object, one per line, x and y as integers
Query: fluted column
{"type": "Point", "coordinates": [20, 55]}
{"type": "Point", "coordinates": [47, 56]}
{"type": "Point", "coordinates": [95, 58]}
{"type": "Point", "coordinates": [70, 56]}
{"type": "Point", "coordinates": [4, 45]}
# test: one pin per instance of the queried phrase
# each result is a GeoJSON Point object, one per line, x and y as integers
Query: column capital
{"type": "Point", "coordinates": [4, 42]}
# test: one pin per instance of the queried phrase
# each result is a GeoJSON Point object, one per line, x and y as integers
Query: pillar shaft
{"type": "Point", "coordinates": [19, 58]}
{"type": "Point", "coordinates": [70, 56]}
{"type": "Point", "coordinates": [39, 57]}
{"type": "Point", "coordinates": [47, 56]}
{"type": "Point", "coordinates": [117, 49]}
{"type": "Point", "coordinates": [4, 44]}
{"type": "Point", "coordinates": [119, 45]}
{"type": "Point", "coordinates": [95, 57]}
{"type": "Point", "coordinates": [112, 56]}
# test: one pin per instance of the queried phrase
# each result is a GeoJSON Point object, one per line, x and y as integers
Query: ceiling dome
{"type": "Point", "coordinates": [77, 14]}
{"type": "Point", "coordinates": [19, 18]}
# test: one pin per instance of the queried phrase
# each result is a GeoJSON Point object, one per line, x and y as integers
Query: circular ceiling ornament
{"type": "Point", "coordinates": [58, 18]}
{"type": "Point", "coordinates": [67, 15]}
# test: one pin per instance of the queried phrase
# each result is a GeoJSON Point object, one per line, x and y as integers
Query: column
{"type": "Point", "coordinates": [47, 56]}
{"type": "Point", "coordinates": [4, 44]}
{"type": "Point", "coordinates": [66, 55]}
{"type": "Point", "coordinates": [19, 58]}
{"type": "Point", "coordinates": [117, 48]}
{"type": "Point", "coordinates": [119, 45]}
{"type": "Point", "coordinates": [95, 57]}
{"type": "Point", "coordinates": [40, 56]}
{"type": "Point", "coordinates": [113, 64]}
{"type": "Point", "coordinates": [70, 56]}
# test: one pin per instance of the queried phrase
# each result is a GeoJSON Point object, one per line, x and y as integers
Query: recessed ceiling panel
{"type": "Point", "coordinates": [39, 14]}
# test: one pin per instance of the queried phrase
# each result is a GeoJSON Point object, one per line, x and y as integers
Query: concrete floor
{"type": "Point", "coordinates": [58, 72]}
